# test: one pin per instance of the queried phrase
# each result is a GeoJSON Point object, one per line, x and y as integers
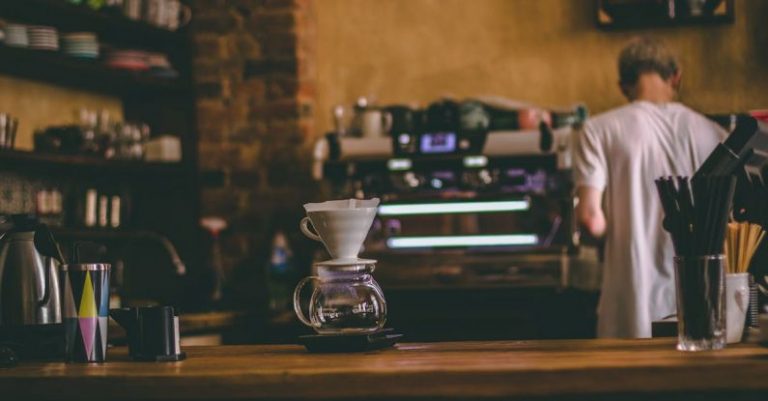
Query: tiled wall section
{"type": "Point", "coordinates": [254, 76]}
{"type": "Point", "coordinates": [18, 195]}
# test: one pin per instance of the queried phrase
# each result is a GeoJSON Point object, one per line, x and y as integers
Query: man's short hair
{"type": "Point", "coordinates": [643, 55]}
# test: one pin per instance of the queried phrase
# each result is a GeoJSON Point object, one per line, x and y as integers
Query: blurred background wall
{"type": "Point", "coordinates": [254, 78]}
{"type": "Point", "coordinates": [267, 73]}
{"type": "Point", "coordinates": [546, 51]}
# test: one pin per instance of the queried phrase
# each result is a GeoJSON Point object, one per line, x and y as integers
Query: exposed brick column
{"type": "Point", "coordinates": [255, 83]}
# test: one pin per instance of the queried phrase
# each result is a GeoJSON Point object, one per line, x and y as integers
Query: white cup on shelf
{"type": "Point", "coordinates": [177, 14]}
{"type": "Point", "coordinates": [132, 9]}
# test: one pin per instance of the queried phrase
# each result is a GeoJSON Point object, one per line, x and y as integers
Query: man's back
{"type": "Point", "coordinates": [621, 152]}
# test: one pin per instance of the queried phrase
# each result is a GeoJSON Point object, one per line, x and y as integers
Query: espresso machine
{"type": "Point", "coordinates": [476, 216]}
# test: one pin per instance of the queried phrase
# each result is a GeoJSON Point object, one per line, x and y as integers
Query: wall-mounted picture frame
{"type": "Point", "coordinates": [635, 14]}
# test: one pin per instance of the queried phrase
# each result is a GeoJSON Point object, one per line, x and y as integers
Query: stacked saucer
{"type": "Point", "coordinates": [81, 44]}
{"type": "Point", "coordinates": [43, 37]}
{"type": "Point", "coordinates": [133, 60]}
{"type": "Point", "coordinates": [16, 35]}
{"type": "Point", "coordinates": [160, 67]}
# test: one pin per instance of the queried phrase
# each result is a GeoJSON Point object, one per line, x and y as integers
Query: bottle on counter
{"type": "Point", "coordinates": [214, 226]}
{"type": "Point", "coordinates": [279, 274]}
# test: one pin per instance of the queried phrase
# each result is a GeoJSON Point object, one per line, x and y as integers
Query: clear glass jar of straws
{"type": "Point", "coordinates": [700, 284]}
{"type": "Point", "coordinates": [696, 215]}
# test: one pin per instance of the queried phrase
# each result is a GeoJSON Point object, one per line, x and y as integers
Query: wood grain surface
{"type": "Point", "coordinates": [649, 369]}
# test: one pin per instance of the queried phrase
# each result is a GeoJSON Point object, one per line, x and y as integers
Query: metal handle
{"type": "Point", "coordinates": [304, 226]}
{"type": "Point", "coordinates": [297, 300]}
{"type": "Point", "coordinates": [46, 245]}
{"type": "Point", "coordinates": [186, 15]}
{"type": "Point", "coordinates": [383, 311]}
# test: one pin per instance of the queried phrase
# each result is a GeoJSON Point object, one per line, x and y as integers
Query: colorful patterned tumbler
{"type": "Point", "coordinates": [85, 309]}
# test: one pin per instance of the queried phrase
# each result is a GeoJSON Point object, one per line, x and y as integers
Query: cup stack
{"type": "Point", "coordinates": [81, 44]}
{"type": "Point", "coordinates": [160, 66]}
{"type": "Point", "coordinates": [16, 35]}
{"type": "Point", "coordinates": [43, 37]}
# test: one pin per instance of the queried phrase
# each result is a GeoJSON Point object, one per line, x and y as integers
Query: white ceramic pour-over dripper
{"type": "Point", "coordinates": [340, 225]}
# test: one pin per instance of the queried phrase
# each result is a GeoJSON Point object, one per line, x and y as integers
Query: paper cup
{"type": "Point", "coordinates": [736, 304]}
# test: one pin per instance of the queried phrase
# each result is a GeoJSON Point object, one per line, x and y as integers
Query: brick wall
{"type": "Point", "coordinates": [254, 77]}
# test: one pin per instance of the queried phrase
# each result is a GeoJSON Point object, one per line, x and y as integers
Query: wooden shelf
{"type": "Point", "coordinates": [66, 164]}
{"type": "Point", "coordinates": [111, 28]}
{"type": "Point", "coordinates": [60, 69]}
{"type": "Point", "coordinates": [100, 233]}
{"type": "Point", "coordinates": [163, 197]}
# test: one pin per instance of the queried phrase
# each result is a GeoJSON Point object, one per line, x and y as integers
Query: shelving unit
{"type": "Point", "coordinates": [111, 27]}
{"type": "Point", "coordinates": [60, 69]}
{"type": "Point", "coordinates": [57, 164]}
{"type": "Point", "coordinates": [163, 197]}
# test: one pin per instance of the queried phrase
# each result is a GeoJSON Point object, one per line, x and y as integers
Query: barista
{"type": "Point", "coordinates": [617, 156]}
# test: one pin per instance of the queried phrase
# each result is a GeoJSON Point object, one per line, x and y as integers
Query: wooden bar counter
{"type": "Point", "coordinates": [562, 370]}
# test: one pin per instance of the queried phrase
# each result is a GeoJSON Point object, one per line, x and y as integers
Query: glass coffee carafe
{"type": "Point", "coordinates": [345, 300]}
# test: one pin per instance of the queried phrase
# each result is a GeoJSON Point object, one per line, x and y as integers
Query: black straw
{"type": "Point", "coordinates": [696, 213]}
